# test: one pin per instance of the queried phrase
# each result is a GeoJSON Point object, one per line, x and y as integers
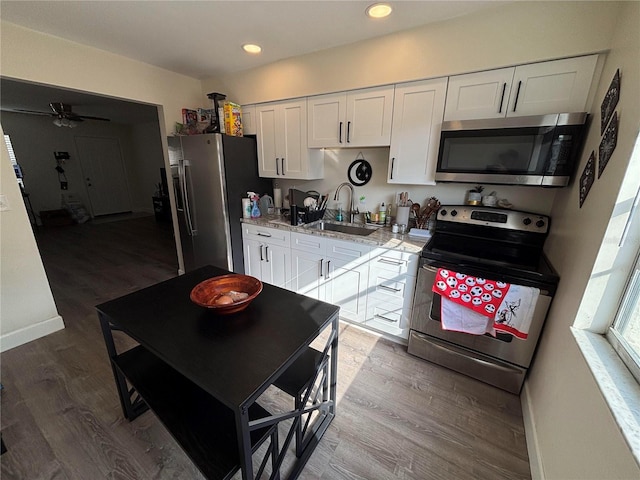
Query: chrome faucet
{"type": "Point", "coordinates": [352, 209]}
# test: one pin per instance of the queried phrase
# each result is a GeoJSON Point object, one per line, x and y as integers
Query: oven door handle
{"type": "Point", "coordinates": [467, 357]}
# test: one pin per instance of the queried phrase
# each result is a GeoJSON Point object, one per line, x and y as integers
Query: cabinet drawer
{"type": "Point", "coordinates": [394, 261]}
{"type": "Point", "coordinates": [273, 236]}
{"type": "Point", "coordinates": [350, 251]}
{"type": "Point", "coordinates": [308, 243]}
{"type": "Point", "coordinates": [384, 288]}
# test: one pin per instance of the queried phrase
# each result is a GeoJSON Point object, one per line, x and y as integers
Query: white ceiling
{"type": "Point", "coordinates": [202, 39]}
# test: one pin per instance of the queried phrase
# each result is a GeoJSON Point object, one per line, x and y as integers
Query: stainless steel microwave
{"type": "Point", "coordinates": [536, 150]}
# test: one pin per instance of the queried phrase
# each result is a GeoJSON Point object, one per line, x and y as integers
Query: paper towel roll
{"type": "Point", "coordinates": [246, 208]}
{"type": "Point", "coordinates": [277, 198]}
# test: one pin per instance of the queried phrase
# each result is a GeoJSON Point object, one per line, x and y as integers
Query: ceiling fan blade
{"type": "Point", "coordinates": [80, 117]}
{"type": "Point", "coordinates": [33, 112]}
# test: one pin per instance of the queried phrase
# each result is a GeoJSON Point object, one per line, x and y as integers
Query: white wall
{"type": "Point", "coordinates": [32, 56]}
{"type": "Point", "coordinates": [521, 32]}
{"type": "Point", "coordinates": [577, 437]}
{"type": "Point", "coordinates": [27, 309]}
{"type": "Point", "coordinates": [146, 143]}
{"type": "Point", "coordinates": [337, 162]}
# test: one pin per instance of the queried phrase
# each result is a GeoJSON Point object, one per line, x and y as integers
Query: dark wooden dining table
{"type": "Point", "coordinates": [202, 373]}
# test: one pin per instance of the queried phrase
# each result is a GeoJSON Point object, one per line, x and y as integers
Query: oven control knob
{"type": "Point", "coordinates": [443, 212]}
{"type": "Point", "coordinates": [540, 223]}
{"type": "Point", "coordinates": [454, 213]}
{"type": "Point", "coordinates": [527, 221]}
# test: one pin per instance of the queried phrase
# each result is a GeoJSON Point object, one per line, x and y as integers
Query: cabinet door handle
{"type": "Point", "coordinates": [340, 133]}
{"type": "Point", "coordinates": [393, 162]}
{"type": "Point", "coordinates": [515, 104]}
{"type": "Point", "coordinates": [266, 253]}
{"type": "Point", "coordinates": [389, 262]}
{"type": "Point", "coordinates": [348, 132]}
{"type": "Point", "coordinates": [282, 160]}
{"type": "Point", "coordinates": [260, 234]}
{"type": "Point", "coordinates": [328, 263]}
{"type": "Point", "coordinates": [382, 317]}
{"type": "Point", "coordinates": [504, 88]}
{"type": "Point", "coordinates": [321, 260]}
{"type": "Point", "coordinates": [277, 169]}
{"type": "Point", "coordinates": [261, 257]}
{"type": "Point", "coordinates": [391, 289]}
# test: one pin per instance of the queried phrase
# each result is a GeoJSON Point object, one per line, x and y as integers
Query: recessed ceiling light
{"type": "Point", "coordinates": [379, 10]}
{"type": "Point", "coordinates": [251, 48]}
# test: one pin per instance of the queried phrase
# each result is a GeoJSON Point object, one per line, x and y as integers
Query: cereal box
{"type": "Point", "coordinates": [233, 119]}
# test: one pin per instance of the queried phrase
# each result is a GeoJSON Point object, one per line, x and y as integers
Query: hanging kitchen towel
{"type": "Point", "coordinates": [461, 319]}
{"type": "Point", "coordinates": [478, 294]}
{"type": "Point", "coordinates": [516, 311]}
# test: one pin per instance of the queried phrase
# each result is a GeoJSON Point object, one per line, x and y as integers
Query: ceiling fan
{"type": "Point", "coordinates": [64, 115]}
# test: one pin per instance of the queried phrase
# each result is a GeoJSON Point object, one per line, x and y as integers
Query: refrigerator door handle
{"type": "Point", "coordinates": [184, 184]}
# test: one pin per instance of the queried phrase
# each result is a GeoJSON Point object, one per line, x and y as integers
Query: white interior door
{"type": "Point", "coordinates": [104, 175]}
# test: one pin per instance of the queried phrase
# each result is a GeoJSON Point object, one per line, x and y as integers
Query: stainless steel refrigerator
{"type": "Point", "coordinates": [211, 173]}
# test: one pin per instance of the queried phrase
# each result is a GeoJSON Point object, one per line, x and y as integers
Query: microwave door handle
{"type": "Point", "coordinates": [185, 181]}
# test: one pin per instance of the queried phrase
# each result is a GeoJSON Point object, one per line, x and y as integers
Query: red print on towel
{"type": "Point", "coordinates": [480, 295]}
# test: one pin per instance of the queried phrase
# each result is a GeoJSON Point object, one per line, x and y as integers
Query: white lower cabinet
{"type": "Point", "coordinates": [267, 254]}
{"type": "Point", "coordinates": [392, 279]}
{"type": "Point", "coordinates": [372, 286]}
{"type": "Point", "coordinates": [335, 271]}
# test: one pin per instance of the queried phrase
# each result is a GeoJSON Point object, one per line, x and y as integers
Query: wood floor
{"type": "Point", "coordinates": [398, 417]}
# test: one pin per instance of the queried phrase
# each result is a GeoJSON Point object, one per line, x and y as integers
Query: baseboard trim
{"type": "Point", "coordinates": [535, 462]}
{"type": "Point", "coordinates": [30, 333]}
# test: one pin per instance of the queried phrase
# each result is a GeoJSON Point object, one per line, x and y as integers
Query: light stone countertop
{"type": "Point", "coordinates": [382, 237]}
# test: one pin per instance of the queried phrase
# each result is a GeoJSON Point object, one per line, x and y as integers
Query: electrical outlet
{"type": "Point", "coordinates": [4, 203]}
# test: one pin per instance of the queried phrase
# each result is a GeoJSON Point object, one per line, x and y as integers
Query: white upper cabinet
{"type": "Point", "coordinates": [535, 89]}
{"type": "Point", "coordinates": [417, 119]}
{"type": "Point", "coordinates": [552, 87]}
{"type": "Point", "coordinates": [282, 142]}
{"type": "Point", "coordinates": [359, 118]}
{"type": "Point", "coordinates": [249, 120]}
{"type": "Point", "coordinates": [479, 95]}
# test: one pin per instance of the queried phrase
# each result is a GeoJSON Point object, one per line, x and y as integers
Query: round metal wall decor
{"type": "Point", "coordinates": [360, 171]}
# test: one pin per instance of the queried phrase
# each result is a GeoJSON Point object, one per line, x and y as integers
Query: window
{"type": "Point", "coordinates": [624, 334]}
{"type": "Point", "coordinates": [607, 327]}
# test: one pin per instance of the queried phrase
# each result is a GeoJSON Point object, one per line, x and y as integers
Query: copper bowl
{"type": "Point", "coordinates": [207, 293]}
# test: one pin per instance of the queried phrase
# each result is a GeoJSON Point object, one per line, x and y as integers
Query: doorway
{"type": "Point", "coordinates": [113, 166]}
{"type": "Point", "coordinates": [104, 175]}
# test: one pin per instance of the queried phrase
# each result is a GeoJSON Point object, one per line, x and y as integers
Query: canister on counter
{"type": "Point", "coordinates": [246, 208]}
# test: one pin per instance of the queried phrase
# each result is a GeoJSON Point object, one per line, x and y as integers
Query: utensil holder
{"type": "Point", "coordinates": [402, 215]}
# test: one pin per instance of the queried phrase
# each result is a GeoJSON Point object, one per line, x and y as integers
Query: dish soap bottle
{"type": "Point", "coordinates": [339, 215]}
{"type": "Point", "coordinates": [383, 213]}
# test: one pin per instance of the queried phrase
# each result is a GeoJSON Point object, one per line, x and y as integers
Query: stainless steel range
{"type": "Point", "coordinates": [486, 243]}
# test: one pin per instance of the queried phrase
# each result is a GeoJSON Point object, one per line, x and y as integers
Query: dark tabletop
{"type": "Point", "coordinates": [233, 357]}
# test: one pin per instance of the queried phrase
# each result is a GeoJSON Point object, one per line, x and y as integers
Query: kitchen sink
{"type": "Point", "coordinates": [339, 227]}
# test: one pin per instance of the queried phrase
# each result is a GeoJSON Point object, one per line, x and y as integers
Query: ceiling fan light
{"type": "Point", "coordinates": [72, 124]}
{"type": "Point", "coordinates": [379, 10]}
{"type": "Point", "coordinates": [57, 122]}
